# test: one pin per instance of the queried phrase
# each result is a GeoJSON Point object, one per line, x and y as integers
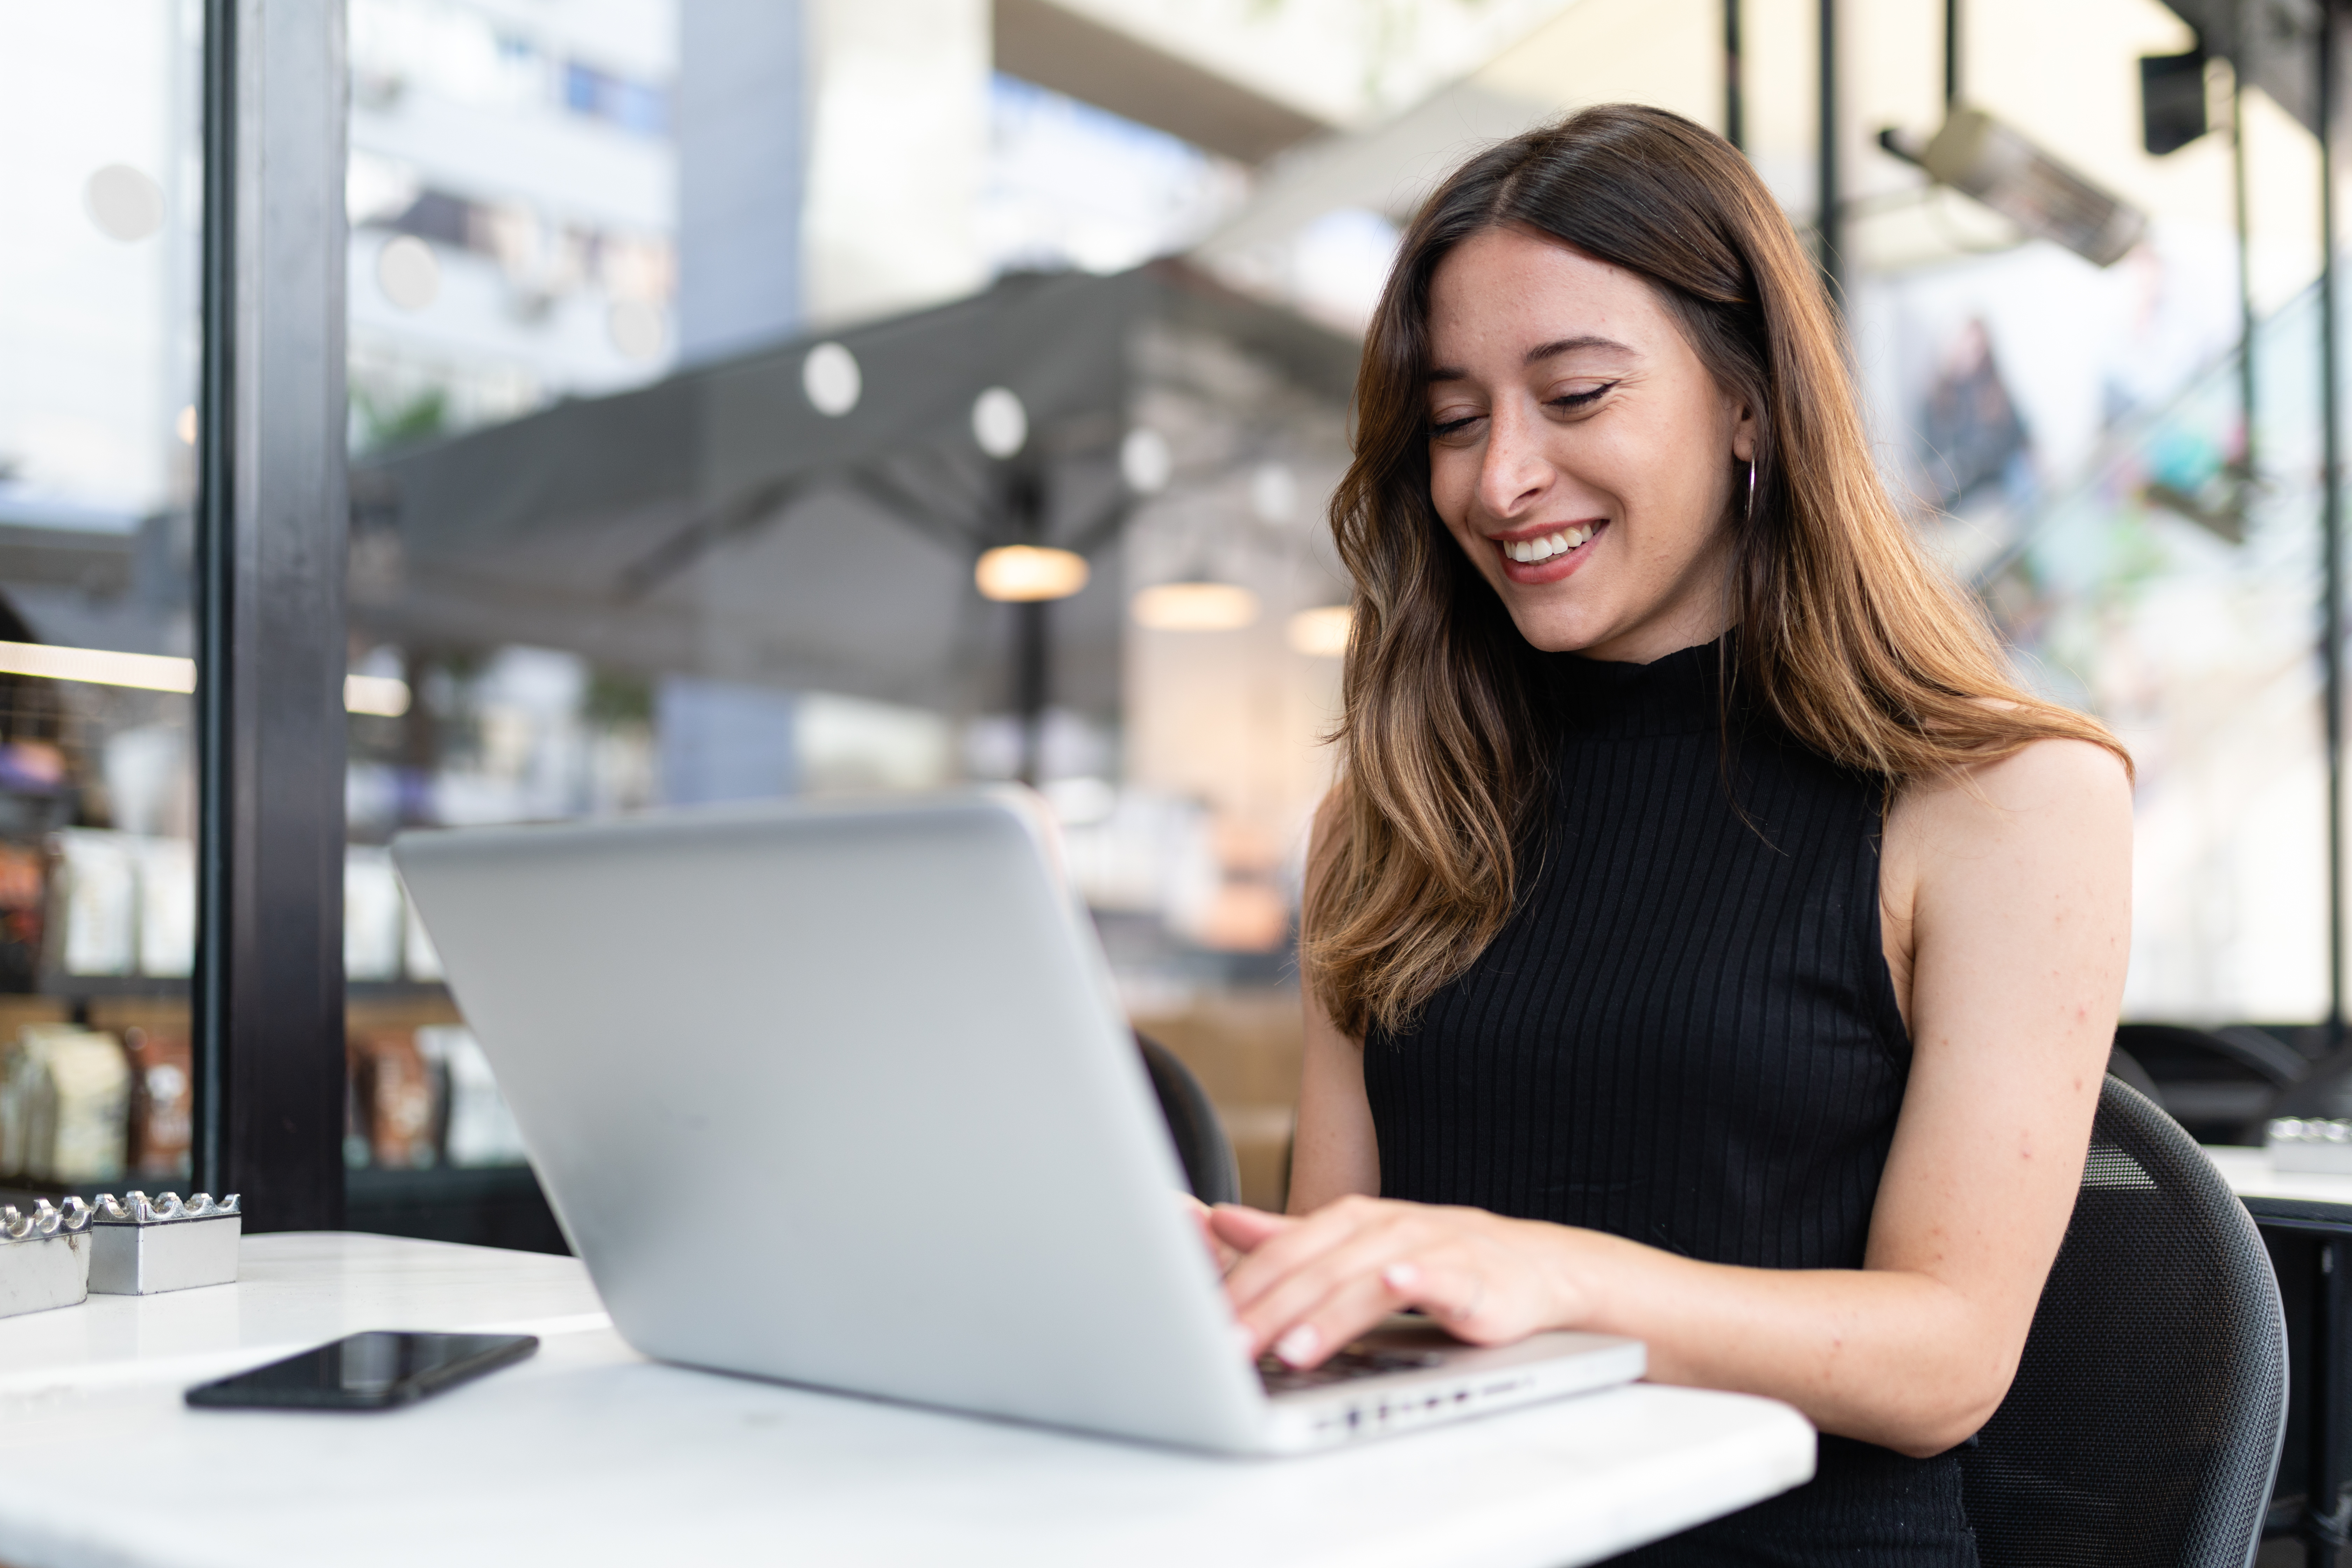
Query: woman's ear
{"type": "Point", "coordinates": [1743, 433]}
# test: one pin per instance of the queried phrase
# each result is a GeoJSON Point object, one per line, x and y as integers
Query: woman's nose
{"type": "Point", "coordinates": [1515, 470]}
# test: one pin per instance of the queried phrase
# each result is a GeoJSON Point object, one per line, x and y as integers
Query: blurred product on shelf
{"type": "Point", "coordinates": [95, 882]}
{"type": "Point", "coordinates": [24, 893]}
{"type": "Point", "coordinates": [161, 1090]}
{"type": "Point", "coordinates": [374, 917]}
{"type": "Point", "coordinates": [481, 1131]}
{"type": "Point", "coordinates": [64, 1101]}
{"type": "Point", "coordinates": [167, 907]}
{"type": "Point", "coordinates": [425, 1097]}
{"type": "Point", "coordinates": [124, 904]}
{"type": "Point", "coordinates": [121, 904]}
{"type": "Point", "coordinates": [394, 1106]}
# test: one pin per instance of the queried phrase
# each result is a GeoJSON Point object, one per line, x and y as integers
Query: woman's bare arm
{"type": "Point", "coordinates": [1333, 1151]}
{"type": "Point", "coordinates": [2015, 895]}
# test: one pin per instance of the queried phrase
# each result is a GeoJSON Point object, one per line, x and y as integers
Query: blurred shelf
{"type": "Point", "coordinates": [395, 991]}
{"type": "Point", "coordinates": [92, 987]}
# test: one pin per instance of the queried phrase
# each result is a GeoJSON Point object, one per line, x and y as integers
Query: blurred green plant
{"type": "Point", "coordinates": [614, 699]}
{"type": "Point", "coordinates": [386, 420]}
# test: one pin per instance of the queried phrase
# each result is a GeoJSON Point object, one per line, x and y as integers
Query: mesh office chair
{"type": "Point", "coordinates": [1210, 1168]}
{"type": "Point", "coordinates": [2143, 1430]}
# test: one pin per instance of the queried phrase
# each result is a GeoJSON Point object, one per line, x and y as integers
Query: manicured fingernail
{"type": "Point", "coordinates": [1297, 1346]}
{"type": "Point", "coordinates": [1401, 1275]}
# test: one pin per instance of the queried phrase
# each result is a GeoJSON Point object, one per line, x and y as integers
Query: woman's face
{"type": "Point", "coordinates": [1578, 452]}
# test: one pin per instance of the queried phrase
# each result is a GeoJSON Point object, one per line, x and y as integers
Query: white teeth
{"type": "Point", "coordinates": [1549, 545]}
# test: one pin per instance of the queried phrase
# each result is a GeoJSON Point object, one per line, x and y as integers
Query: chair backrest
{"type": "Point", "coordinates": [1210, 1168]}
{"type": "Point", "coordinates": [2143, 1429]}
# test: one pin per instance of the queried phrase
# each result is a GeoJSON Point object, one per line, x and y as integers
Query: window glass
{"type": "Point", "coordinates": [763, 400]}
{"type": "Point", "coordinates": [98, 346]}
{"type": "Point", "coordinates": [2071, 423]}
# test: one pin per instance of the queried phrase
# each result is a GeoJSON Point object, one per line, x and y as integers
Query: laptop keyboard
{"type": "Point", "coordinates": [1344, 1367]}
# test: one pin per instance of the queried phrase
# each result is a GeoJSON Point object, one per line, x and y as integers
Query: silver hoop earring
{"type": "Point", "coordinates": [1752, 490]}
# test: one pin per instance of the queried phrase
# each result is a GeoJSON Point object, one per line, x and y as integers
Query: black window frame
{"type": "Point", "coordinates": [270, 529]}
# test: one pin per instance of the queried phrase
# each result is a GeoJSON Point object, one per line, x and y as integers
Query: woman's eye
{"type": "Point", "coordinates": [1582, 399]}
{"type": "Point", "coordinates": [1444, 426]}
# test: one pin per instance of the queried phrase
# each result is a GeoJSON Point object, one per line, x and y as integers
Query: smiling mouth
{"type": "Point", "coordinates": [1547, 546]}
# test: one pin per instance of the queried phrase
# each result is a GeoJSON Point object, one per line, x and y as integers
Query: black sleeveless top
{"type": "Point", "coordinates": [1687, 1035]}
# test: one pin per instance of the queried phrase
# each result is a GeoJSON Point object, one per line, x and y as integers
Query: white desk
{"type": "Point", "coordinates": [2251, 1175]}
{"type": "Point", "coordinates": [588, 1454]}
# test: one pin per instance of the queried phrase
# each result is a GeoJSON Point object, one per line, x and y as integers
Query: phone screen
{"type": "Point", "coordinates": [372, 1371]}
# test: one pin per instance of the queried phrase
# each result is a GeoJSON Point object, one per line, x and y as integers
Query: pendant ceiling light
{"type": "Point", "coordinates": [1021, 574]}
{"type": "Point", "coordinates": [1321, 632]}
{"type": "Point", "coordinates": [1195, 606]}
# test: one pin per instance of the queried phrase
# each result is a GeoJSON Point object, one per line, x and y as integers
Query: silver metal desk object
{"type": "Point", "coordinates": [44, 1257]}
{"type": "Point", "coordinates": [2300, 1144]}
{"type": "Point", "coordinates": [140, 1246]}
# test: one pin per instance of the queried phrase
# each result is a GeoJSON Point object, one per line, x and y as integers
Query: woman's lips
{"type": "Point", "coordinates": [1562, 550]}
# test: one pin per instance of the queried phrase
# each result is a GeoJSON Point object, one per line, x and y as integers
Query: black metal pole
{"type": "Point", "coordinates": [2331, 518]}
{"type": "Point", "coordinates": [1735, 120]}
{"type": "Point", "coordinates": [1032, 651]}
{"type": "Point", "coordinates": [1829, 224]}
{"type": "Point", "coordinates": [216, 579]}
{"type": "Point", "coordinates": [1951, 52]}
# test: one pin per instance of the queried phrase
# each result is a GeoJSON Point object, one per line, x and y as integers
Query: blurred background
{"type": "Point", "coordinates": [755, 398]}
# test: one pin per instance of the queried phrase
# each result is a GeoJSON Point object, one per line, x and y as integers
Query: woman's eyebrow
{"type": "Point", "coordinates": [1542, 352]}
{"type": "Point", "coordinates": [1569, 345]}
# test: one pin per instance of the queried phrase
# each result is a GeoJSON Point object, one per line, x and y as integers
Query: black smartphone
{"type": "Point", "coordinates": [374, 1371]}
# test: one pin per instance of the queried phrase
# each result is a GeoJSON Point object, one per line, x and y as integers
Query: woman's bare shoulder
{"type": "Point", "coordinates": [2052, 795]}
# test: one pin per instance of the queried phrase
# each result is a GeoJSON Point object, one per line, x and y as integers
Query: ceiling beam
{"type": "Point", "coordinates": [1058, 49]}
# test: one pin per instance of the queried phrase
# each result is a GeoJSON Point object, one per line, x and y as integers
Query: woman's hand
{"type": "Point", "coordinates": [1201, 1215]}
{"type": "Point", "coordinates": [1308, 1285]}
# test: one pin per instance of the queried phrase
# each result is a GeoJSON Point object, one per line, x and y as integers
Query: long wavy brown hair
{"type": "Point", "coordinates": [1868, 654]}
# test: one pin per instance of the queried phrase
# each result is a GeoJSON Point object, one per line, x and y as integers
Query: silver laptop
{"type": "Point", "coordinates": [841, 1095]}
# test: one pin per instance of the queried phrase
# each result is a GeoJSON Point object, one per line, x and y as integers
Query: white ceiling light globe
{"type": "Point", "coordinates": [1274, 493]}
{"type": "Point", "coordinates": [124, 204]}
{"type": "Point", "coordinates": [830, 378]}
{"type": "Point", "coordinates": [999, 423]}
{"type": "Point", "coordinates": [635, 328]}
{"type": "Point", "coordinates": [407, 272]}
{"type": "Point", "coordinates": [1144, 460]}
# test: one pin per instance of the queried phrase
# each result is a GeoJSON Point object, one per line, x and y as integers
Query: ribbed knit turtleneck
{"type": "Point", "coordinates": [1685, 1035]}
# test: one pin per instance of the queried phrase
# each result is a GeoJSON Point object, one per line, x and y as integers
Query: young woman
{"type": "Point", "coordinates": [1707, 941]}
